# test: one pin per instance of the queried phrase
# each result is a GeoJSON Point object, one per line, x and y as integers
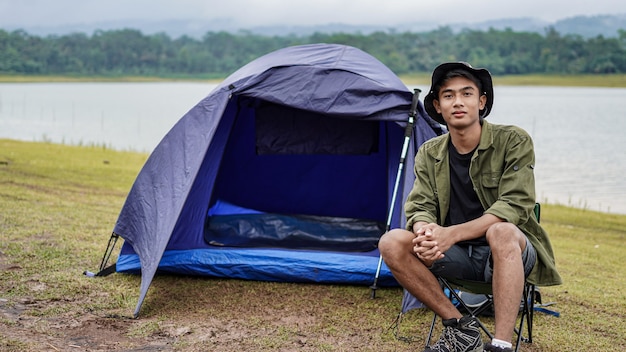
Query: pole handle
{"type": "Point", "coordinates": [416, 98]}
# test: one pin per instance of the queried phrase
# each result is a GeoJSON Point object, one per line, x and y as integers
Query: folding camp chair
{"type": "Point", "coordinates": [457, 287]}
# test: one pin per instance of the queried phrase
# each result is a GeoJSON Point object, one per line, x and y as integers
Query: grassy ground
{"type": "Point", "coordinates": [600, 80]}
{"type": "Point", "coordinates": [58, 205]}
{"type": "Point", "coordinates": [609, 81]}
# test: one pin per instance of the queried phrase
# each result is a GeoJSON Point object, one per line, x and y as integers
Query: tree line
{"type": "Point", "coordinates": [218, 54]}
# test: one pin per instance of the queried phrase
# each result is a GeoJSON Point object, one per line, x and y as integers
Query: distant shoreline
{"type": "Point", "coordinates": [600, 80]}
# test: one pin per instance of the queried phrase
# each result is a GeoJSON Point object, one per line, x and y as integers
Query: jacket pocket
{"type": "Point", "coordinates": [490, 179]}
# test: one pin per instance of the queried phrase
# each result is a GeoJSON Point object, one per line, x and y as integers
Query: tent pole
{"type": "Point", "coordinates": [104, 270]}
{"type": "Point", "coordinates": [408, 131]}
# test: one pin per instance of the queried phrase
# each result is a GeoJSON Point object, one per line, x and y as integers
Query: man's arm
{"type": "Point", "coordinates": [432, 241]}
{"type": "Point", "coordinates": [515, 197]}
{"type": "Point", "coordinates": [421, 205]}
{"type": "Point", "coordinates": [470, 230]}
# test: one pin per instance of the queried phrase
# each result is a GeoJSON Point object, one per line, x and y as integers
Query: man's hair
{"type": "Point", "coordinates": [458, 73]}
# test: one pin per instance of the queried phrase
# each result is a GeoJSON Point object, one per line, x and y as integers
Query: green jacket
{"type": "Point", "coordinates": [502, 172]}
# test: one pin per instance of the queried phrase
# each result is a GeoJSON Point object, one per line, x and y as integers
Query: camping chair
{"type": "Point", "coordinates": [456, 288]}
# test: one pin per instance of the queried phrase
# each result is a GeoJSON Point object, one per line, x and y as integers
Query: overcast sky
{"type": "Point", "coordinates": [295, 12]}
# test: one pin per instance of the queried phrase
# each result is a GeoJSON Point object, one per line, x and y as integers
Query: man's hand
{"type": "Point", "coordinates": [426, 243]}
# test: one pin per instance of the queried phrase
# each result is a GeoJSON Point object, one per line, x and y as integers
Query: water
{"type": "Point", "coordinates": [580, 142]}
{"type": "Point", "coordinates": [579, 133]}
{"type": "Point", "coordinates": [123, 116]}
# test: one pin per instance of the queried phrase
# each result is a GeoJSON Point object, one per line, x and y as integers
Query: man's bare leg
{"type": "Point", "coordinates": [507, 243]}
{"type": "Point", "coordinates": [397, 250]}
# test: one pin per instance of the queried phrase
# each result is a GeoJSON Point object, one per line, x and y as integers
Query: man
{"type": "Point", "coordinates": [470, 212]}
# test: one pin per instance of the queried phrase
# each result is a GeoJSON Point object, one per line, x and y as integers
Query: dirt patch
{"type": "Point", "coordinates": [106, 334]}
{"type": "Point", "coordinates": [70, 332]}
{"type": "Point", "coordinates": [61, 313]}
{"type": "Point", "coordinates": [265, 323]}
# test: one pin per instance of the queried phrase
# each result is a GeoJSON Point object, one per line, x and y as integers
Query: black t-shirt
{"type": "Point", "coordinates": [464, 203]}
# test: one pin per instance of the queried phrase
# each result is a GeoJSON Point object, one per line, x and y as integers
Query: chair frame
{"type": "Point", "coordinates": [526, 306]}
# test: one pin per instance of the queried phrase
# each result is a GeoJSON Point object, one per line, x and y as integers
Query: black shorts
{"type": "Point", "coordinates": [474, 262]}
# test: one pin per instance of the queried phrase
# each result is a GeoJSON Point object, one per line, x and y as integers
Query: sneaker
{"type": "Point", "coordinates": [491, 348]}
{"type": "Point", "coordinates": [459, 335]}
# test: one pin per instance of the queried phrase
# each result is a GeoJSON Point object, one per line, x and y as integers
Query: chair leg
{"type": "Point", "coordinates": [432, 328]}
{"type": "Point", "coordinates": [473, 312]}
{"type": "Point", "coordinates": [520, 329]}
{"type": "Point", "coordinates": [526, 317]}
{"type": "Point", "coordinates": [531, 310]}
{"type": "Point", "coordinates": [527, 314]}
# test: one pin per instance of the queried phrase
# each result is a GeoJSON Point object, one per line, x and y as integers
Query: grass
{"type": "Point", "coordinates": [599, 80]}
{"type": "Point", "coordinates": [58, 207]}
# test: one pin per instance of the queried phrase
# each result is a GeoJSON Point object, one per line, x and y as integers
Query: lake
{"type": "Point", "coordinates": [579, 132]}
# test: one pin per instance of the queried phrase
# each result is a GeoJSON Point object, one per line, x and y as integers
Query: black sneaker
{"type": "Point", "coordinates": [459, 335]}
{"type": "Point", "coordinates": [491, 348]}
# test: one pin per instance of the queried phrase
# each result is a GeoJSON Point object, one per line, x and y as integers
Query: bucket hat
{"type": "Point", "coordinates": [440, 72]}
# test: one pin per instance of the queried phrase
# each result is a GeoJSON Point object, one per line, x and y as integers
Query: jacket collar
{"type": "Point", "coordinates": [440, 151]}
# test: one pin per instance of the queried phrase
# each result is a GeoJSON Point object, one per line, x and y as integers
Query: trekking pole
{"type": "Point", "coordinates": [408, 131]}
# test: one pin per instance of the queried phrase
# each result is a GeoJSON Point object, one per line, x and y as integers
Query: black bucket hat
{"type": "Point", "coordinates": [440, 72]}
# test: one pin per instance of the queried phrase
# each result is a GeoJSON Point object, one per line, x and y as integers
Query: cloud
{"type": "Point", "coordinates": [250, 13]}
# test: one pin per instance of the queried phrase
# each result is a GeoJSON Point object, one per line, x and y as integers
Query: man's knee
{"type": "Point", "coordinates": [504, 234]}
{"type": "Point", "coordinates": [393, 241]}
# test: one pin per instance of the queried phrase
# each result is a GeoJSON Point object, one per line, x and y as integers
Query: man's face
{"type": "Point", "coordinates": [460, 102]}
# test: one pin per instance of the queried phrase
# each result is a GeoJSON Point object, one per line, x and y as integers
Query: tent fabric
{"type": "Point", "coordinates": [261, 264]}
{"type": "Point", "coordinates": [215, 153]}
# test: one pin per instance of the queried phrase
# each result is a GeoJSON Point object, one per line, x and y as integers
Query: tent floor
{"type": "Point", "coordinates": [270, 265]}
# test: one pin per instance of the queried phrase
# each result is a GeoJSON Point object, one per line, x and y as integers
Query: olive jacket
{"type": "Point", "coordinates": [502, 172]}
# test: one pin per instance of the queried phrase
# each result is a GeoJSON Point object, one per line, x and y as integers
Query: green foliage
{"type": "Point", "coordinates": [128, 52]}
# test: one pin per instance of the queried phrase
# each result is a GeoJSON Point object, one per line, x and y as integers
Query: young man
{"type": "Point", "coordinates": [470, 212]}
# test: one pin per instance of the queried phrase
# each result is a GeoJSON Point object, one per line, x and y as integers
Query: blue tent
{"type": "Point", "coordinates": [284, 172]}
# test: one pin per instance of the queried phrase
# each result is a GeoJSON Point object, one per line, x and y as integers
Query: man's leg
{"type": "Point", "coordinates": [507, 243]}
{"type": "Point", "coordinates": [396, 249]}
{"type": "Point", "coordinates": [460, 334]}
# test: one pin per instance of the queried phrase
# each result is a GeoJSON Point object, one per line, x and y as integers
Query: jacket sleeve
{"type": "Point", "coordinates": [421, 203]}
{"type": "Point", "coordinates": [516, 186]}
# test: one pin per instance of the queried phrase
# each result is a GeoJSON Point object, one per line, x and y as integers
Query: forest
{"type": "Point", "coordinates": [129, 52]}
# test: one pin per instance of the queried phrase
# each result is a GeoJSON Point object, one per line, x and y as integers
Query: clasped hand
{"type": "Point", "coordinates": [427, 243]}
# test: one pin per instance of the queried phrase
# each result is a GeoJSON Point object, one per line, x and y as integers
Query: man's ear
{"type": "Point", "coordinates": [436, 105]}
{"type": "Point", "coordinates": [483, 102]}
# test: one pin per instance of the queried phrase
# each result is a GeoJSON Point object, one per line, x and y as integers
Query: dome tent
{"type": "Point", "coordinates": [284, 172]}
